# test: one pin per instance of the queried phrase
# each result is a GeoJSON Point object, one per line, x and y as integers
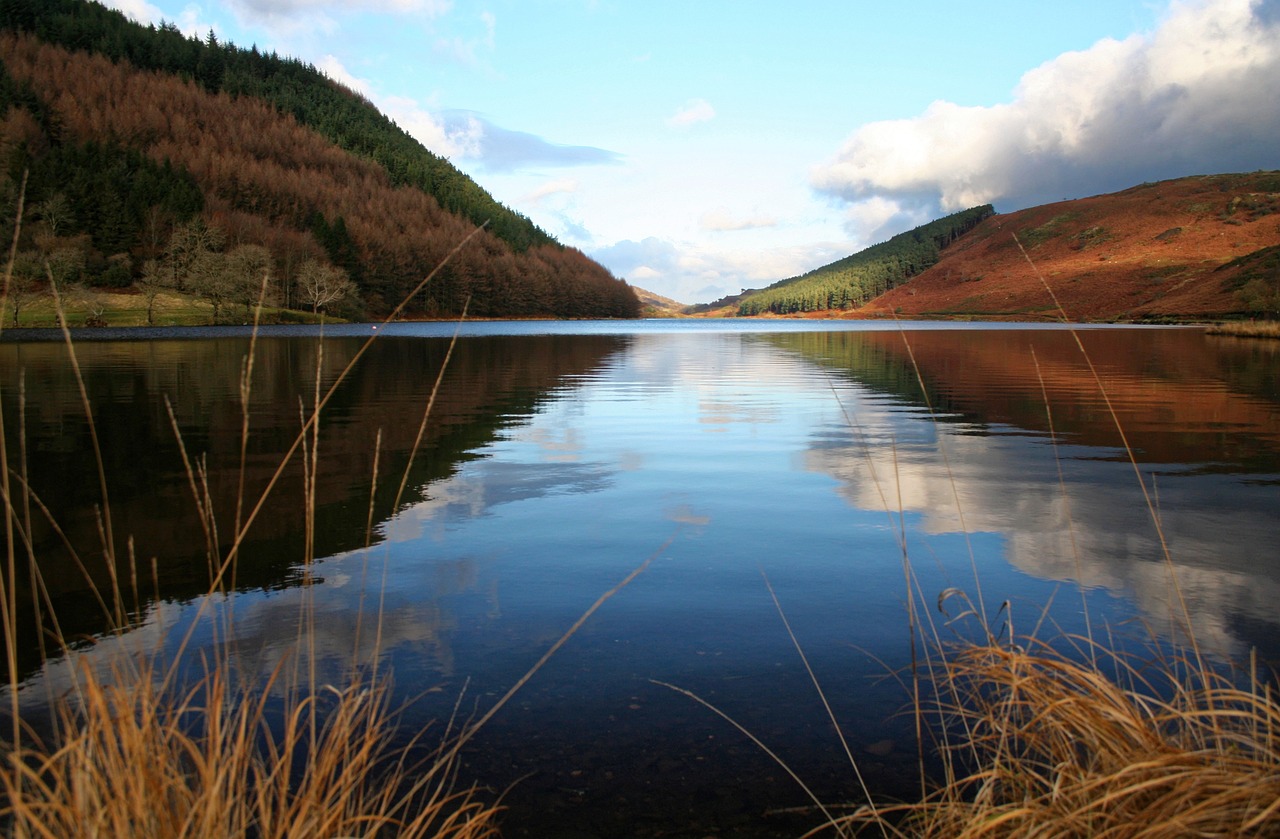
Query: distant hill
{"type": "Point", "coordinates": [852, 281]}
{"type": "Point", "coordinates": [134, 137]}
{"type": "Point", "coordinates": [1200, 247]}
{"type": "Point", "coordinates": [725, 307]}
{"type": "Point", "coordinates": [654, 305]}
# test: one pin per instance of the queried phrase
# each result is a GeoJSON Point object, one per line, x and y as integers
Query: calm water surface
{"type": "Point", "coordinates": [558, 457]}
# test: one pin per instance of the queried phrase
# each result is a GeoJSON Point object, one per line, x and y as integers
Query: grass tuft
{"type": "Point", "coordinates": [1050, 746]}
{"type": "Point", "coordinates": [134, 760]}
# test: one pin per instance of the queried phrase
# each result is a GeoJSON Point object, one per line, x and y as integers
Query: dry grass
{"type": "Point", "coordinates": [139, 749]}
{"type": "Point", "coordinates": [135, 760]}
{"type": "Point", "coordinates": [1082, 739]}
{"type": "Point", "coordinates": [1037, 743]}
{"type": "Point", "coordinates": [1250, 329]}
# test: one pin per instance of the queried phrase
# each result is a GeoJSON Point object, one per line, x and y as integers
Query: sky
{"type": "Point", "coordinates": [699, 148]}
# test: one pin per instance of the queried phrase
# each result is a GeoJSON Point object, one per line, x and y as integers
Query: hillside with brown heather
{"type": "Point", "coordinates": [264, 178]}
{"type": "Point", "coordinates": [1176, 249]}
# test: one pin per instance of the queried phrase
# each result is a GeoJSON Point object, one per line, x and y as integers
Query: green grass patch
{"type": "Point", "coordinates": [1050, 229]}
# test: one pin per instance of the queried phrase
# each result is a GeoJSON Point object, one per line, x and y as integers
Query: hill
{"type": "Point", "coordinates": [151, 156]}
{"type": "Point", "coordinates": [654, 305]}
{"type": "Point", "coordinates": [854, 280]}
{"type": "Point", "coordinates": [1203, 247]}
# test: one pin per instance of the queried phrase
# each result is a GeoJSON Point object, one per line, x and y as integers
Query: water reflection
{"type": "Point", "coordinates": [376, 412]}
{"type": "Point", "coordinates": [555, 464]}
{"type": "Point", "coordinates": [1202, 424]}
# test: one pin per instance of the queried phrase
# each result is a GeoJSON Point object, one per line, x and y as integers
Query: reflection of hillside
{"type": "Point", "coordinates": [488, 383]}
{"type": "Point", "coordinates": [997, 478]}
{"type": "Point", "coordinates": [1180, 399]}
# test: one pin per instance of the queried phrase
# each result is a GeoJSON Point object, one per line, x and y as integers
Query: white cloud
{"type": "Point", "coordinates": [334, 69]}
{"type": "Point", "coordinates": [564, 186]}
{"type": "Point", "coordinates": [1197, 95]}
{"type": "Point", "coordinates": [693, 111]}
{"type": "Point", "coordinates": [490, 21]}
{"type": "Point", "coordinates": [467, 50]}
{"type": "Point", "coordinates": [289, 19]}
{"type": "Point", "coordinates": [499, 149]}
{"type": "Point", "coordinates": [139, 11]}
{"type": "Point", "coordinates": [454, 140]}
{"type": "Point", "coordinates": [722, 220]}
{"type": "Point", "coordinates": [276, 9]}
{"type": "Point", "coordinates": [877, 218]}
{"type": "Point", "coordinates": [694, 273]}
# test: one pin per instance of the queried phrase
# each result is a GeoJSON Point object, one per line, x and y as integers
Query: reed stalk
{"type": "Point", "coordinates": [1078, 738]}
{"type": "Point", "coordinates": [141, 747]}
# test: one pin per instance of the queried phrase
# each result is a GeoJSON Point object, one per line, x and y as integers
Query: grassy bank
{"type": "Point", "coordinates": [1247, 329]}
{"type": "Point", "coordinates": [130, 309]}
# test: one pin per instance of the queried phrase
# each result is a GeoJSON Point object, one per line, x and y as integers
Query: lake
{"type": "Point", "coordinates": [746, 459]}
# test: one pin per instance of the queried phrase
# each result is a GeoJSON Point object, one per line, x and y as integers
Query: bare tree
{"type": "Point", "coordinates": [94, 304]}
{"type": "Point", "coordinates": [250, 275]}
{"type": "Point", "coordinates": [25, 285]}
{"type": "Point", "coordinates": [152, 283]}
{"type": "Point", "coordinates": [321, 285]}
{"type": "Point", "coordinates": [209, 278]}
{"type": "Point", "coordinates": [55, 212]}
{"type": "Point", "coordinates": [189, 243]}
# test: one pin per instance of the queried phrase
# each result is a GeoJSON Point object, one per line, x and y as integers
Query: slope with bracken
{"type": "Point", "coordinates": [1184, 249]}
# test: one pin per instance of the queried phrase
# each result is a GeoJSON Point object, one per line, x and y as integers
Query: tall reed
{"type": "Point", "coordinates": [185, 745]}
{"type": "Point", "coordinates": [1076, 737]}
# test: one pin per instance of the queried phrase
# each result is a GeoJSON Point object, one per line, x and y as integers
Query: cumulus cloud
{"type": "Point", "coordinates": [500, 149]}
{"type": "Point", "coordinates": [877, 218]}
{"type": "Point", "coordinates": [692, 273]}
{"type": "Point", "coordinates": [720, 220]}
{"type": "Point", "coordinates": [1197, 95]}
{"type": "Point", "coordinates": [693, 111]}
{"type": "Point", "coordinates": [627, 257]}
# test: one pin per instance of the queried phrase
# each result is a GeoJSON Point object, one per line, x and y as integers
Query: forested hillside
{"type": "Point", "coordinates": [854, 280]}
{"type": "Point", "coordinates": [153, 158]}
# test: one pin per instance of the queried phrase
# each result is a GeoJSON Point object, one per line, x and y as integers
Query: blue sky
{"type": "Point", "coordinates": [697, 148]}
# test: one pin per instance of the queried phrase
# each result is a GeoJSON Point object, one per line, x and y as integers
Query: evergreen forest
{"type": "Point", "coordinates": [152, 160]}
{"type": "Point", "coordinates": [856, 279]}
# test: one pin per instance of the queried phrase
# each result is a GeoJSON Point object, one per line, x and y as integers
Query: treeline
{"type": "Point", "coordinates": [128, 157]}
{"type": "Point", "coordinates": [856, 279]}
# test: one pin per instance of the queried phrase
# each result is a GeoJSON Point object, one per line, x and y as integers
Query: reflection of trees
{"type": "Point", "coordinates": [1219, 527]}
{"type": "Point", "coordinates": [489, 381]}
{"type": "Point", "coordinates": [1180, 398]}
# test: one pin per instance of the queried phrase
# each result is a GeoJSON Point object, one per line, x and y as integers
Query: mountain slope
{"type": "Point", "coordinates": [260, 177]}
{"type": "Point", "coordinates": [342, 116]}
{"type": "Point", "coordinates": [1180, 249]}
